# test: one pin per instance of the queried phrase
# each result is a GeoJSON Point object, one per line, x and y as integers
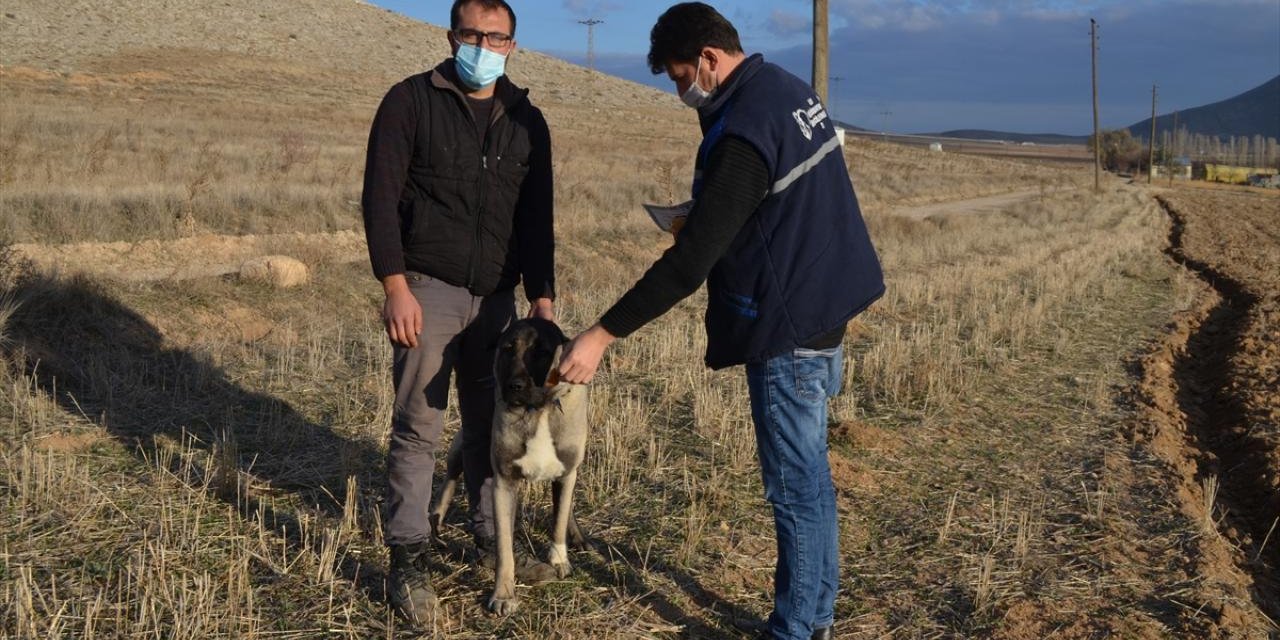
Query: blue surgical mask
{"type": "Point", "coordinates": [479, 67]}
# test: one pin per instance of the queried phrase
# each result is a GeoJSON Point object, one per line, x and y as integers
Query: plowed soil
{"type": "Point", "coordinates": [1213, 388]}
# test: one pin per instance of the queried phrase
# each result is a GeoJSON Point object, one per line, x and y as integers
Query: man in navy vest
{"type": "Point", "coordinates": [776, 233]}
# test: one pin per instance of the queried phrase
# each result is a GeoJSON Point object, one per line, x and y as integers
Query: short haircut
{"type": "Point", "coordinates": [684, 30]}
{"type": "Point", "coordinates": [455, 14]}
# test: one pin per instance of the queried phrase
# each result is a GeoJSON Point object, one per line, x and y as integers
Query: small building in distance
{"type": "Point", "coordinates": [1179, 168]}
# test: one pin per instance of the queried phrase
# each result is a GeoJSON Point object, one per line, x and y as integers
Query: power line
{"type": "Point", "coordinates": [590, 40]}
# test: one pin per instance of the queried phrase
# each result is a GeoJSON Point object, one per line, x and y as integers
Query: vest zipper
{"type": "Point", "coordinates": [484, 175]}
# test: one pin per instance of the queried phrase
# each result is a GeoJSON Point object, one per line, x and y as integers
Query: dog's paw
{"type": "Point", "coordinates": [563, 569]}
{"type": "Point", "coordinates": [503, 606]}
{"type": "Point", "coordinates": [558, 558]}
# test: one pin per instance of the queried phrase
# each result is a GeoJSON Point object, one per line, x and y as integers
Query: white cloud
{"type": "Point", "coordinates": [591, 7]}
{"type": "Point", "coordinates": [926, 15]}
{"type": "Point", "coordinates": [892, 14]}
{"type": "Point", "coordinates": [786, 24]}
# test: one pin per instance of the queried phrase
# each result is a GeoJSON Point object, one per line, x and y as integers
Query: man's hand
{"type": "Point", "coordinates": [401, 313]}
{"type": "Point", "coordinates": [543, 308]}
{"type": "Point", "coordinates": [582, 355]}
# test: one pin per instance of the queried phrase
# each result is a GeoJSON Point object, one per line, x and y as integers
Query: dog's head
{"type": "Point", "coordinates": [528, 352]}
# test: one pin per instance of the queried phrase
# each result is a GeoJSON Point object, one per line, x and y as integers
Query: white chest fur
{"type": "Point", "coordinates": [540, 462]}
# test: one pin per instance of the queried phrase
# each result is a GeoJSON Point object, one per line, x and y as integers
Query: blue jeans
{"type": "Point", "coordinates": [789, 407]}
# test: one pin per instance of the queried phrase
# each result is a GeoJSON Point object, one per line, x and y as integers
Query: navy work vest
{"type": "Point", "coordinates": [803, 265]}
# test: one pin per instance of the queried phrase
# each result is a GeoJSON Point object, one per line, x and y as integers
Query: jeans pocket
{"type": "Point", "coordinates": [812, 369]}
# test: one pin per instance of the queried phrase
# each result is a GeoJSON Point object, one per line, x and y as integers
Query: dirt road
{"type": "Point", "coordinates": [987, 204]}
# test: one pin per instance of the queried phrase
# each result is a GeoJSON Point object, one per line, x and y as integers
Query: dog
{"type": "Point", "coordinates": [539, 435]}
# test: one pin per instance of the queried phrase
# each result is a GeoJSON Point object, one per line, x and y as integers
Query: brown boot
{"type": "Point", "coordinates": [409, 589]}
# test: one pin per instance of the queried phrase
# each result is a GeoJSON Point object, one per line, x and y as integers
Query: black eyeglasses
{"type": "Point", "coordinates": [474, 38]}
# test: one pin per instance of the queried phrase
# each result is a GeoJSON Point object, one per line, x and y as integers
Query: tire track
{"type": "Point", "coordinates": [1215, 422]}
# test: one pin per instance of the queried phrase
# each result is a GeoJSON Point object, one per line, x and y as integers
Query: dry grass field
{"type": "Point", "coordinates": [1060, 422]}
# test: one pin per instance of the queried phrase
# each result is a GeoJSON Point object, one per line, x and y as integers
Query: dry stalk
{"type": "Point", "coordinates": [984, 587]}
{"type": "Point", "coordinates": [1209, 493]}
{"type": "Point", "coordinates": [945, 529]}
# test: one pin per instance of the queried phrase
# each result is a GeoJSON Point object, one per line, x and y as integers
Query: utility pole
{"type": "Point", "coordinates": [820, 49]}
{"type": "Point", "coordinates": [1151, 144]}
{"type": "Point", "coordinates": [591, 41]}
{"type": "Point", "coordinates": [884, 125]}
{"type": "Point", "coordinates": [1173, 147]}
{"type": "Point", "coordinates": [1097, 139]}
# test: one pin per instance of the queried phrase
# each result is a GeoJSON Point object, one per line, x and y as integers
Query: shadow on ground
{"type": "Point", "coordinates": [98, 358]}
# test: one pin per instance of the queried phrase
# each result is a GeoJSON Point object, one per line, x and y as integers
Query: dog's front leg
{"type": "Point", "coordinates": [577, 541]}
{"type": "Point", "coordinates": [559, 555]}
{"type": "Point", "coordinates": [504, 601]}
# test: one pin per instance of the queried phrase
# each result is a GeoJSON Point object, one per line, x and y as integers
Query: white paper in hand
{"type": "Point", "coordinates": [664, 216]}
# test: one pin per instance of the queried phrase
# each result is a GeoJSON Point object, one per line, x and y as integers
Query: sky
{"type": "Point", "coordinates": [915, 66]}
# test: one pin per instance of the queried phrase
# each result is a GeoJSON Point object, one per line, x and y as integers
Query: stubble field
{"type": "Point", "coordinates": [1021, 450]}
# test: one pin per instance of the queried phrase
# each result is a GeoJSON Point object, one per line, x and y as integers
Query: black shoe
{"type": "Point", "coordinates": [761, 628]}
{"type": "Point", "coordinates": [529, 570]}
{"type": "Point", "coordinates": [409, 590]}
{"type": "Point", "coordinates": [758, 628]}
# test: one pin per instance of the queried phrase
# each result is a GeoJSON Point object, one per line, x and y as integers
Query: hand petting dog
{"type": "Point", "coordinates": [582, 355]}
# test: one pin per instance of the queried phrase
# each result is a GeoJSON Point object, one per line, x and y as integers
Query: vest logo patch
{"type": "Point", "coordinates": [810, 117]}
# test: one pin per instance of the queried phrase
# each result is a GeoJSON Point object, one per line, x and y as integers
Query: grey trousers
{"type": "Point", "coordinates": [459, 335]}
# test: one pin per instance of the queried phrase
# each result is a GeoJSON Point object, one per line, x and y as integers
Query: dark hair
{"type": "Point", "coordinates": [455, 14]}
{"type": "Point", "coordinates": [684, 30]}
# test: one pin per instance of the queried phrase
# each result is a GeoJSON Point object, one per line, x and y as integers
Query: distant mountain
{"type": "Point", "coordinates": [983, 134]}
{"type": "Point", "coordinates": [1254, 112]}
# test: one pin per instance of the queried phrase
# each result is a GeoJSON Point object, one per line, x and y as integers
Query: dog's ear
{"type": "Point", "coordinates": [553, 374]}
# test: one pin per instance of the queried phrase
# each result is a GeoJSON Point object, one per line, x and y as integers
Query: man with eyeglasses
{"type": "Point", "coordinates": [457, 210]}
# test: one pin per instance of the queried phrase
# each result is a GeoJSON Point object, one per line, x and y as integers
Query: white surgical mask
{"type": "Point", "coordinates": [695, 96]}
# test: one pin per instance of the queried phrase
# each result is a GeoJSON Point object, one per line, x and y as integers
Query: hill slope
{"type": "Point", "coordinates": [1254, 112]}
{"type": "Point", "coordinates": [342, 35]}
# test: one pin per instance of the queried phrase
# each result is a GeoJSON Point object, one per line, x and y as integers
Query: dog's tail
{"type": "Point", "coordinates": [453, 471]}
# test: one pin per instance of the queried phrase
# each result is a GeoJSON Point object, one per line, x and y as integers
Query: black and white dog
{"type": "Point", "coordinates": [539, 435]}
